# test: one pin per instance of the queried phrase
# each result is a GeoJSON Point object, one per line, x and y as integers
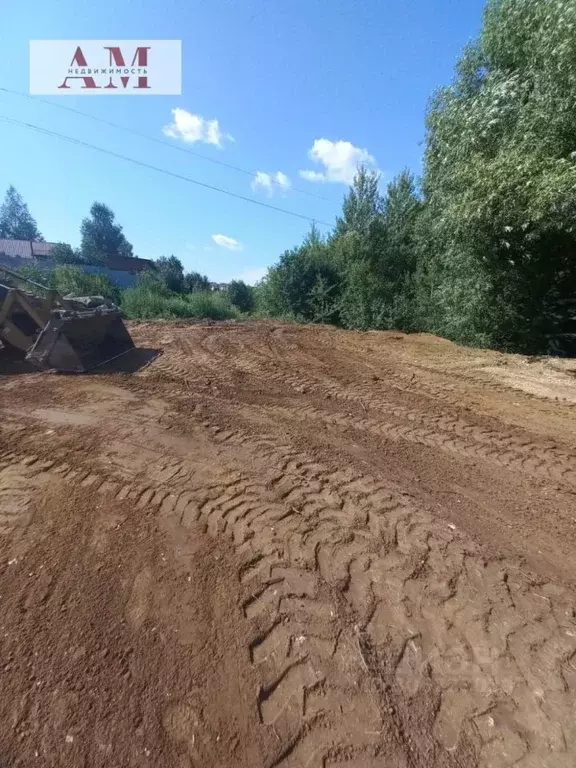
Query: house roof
{"type": "Point", "coordinates": [25, 249]}
{"type": "Point", "coordinates": [16, 248]}
{"type": "Point", "coordinates": [30, 250]}
{"type": "Point", "coordinates": [42, 249]}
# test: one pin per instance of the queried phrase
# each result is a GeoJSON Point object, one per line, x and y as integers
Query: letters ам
{"type": "Point", "coordinates": [79, 69]}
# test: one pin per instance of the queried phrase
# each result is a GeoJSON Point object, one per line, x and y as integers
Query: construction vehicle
{"type": "Point", "coordinates": [67, 334]}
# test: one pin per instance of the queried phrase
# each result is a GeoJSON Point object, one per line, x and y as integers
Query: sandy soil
{"type": "Point", "coordinates": [287, 546]}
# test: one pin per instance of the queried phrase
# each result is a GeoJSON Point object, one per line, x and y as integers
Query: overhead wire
{"type": "Point", "coordinates": [156, 140]}
{"type": "Point", "coordinates": [182, 177]}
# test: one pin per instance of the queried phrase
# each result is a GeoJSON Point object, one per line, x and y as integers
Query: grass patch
{"type": "Point", "coordinates": [142, 303]}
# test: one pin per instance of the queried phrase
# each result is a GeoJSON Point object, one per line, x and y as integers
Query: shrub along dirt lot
{"type": "Point", "coordinates": [289, 546]}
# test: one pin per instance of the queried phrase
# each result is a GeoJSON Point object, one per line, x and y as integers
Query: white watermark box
{"type": "Point", "coordinates": [105, 67]}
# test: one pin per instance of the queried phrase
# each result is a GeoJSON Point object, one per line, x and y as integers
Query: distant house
{"type": "Point", "coordinates": [122, 270]}
{"type": "Point", "coordinates": [18, 253]}
{"type": "Point", "coordinates": [41, 250]}
{"type": "Point", "coordinates": [218, 286]}
{"type": "Point", "coordinates": [121, 277]}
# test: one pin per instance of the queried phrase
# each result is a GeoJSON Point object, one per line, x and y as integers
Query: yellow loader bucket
{"type": "Point", "coordinates": [78, 341]}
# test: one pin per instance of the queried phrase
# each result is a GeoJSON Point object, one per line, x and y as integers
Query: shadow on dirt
{"type": "Point", "coordinates": [11, 364]}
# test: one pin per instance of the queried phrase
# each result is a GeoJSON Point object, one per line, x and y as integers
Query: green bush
{"type": "Point", "coordinates": [71, 280]}
{"type": "Point", "coordinates": [211, 304]}
{"type": "Point", "coordinates": [35, 273]}
{"type": "Point", "coordinates": [304, 285]}
{"type": "Point", "coordinates": [144, 303]}
{"type": "Point", "coordinates": [152, 281]}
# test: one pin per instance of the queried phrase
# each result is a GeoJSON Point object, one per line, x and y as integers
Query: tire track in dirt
{"type": "Point", "coordinates": [449, 433]}
{"type": "Point", "coordinates": [509, 452]}
{"type": "Point", "coordinates": [343, 567]}
{"type": "Point", "coordinates": [560, 625]}
{"type": "Point", "coordinates": [380, 635]}
{"type": "Point", "coordinates": [294, 697]}
{"type": "Point", "coordinates": [361, 613]}
{"type": "Point", "coordinates": [15, 491]}
{"type": "Point", "coordinates": [144, 656]}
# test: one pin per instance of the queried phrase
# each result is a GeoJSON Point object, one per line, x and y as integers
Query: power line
{"type": "Point", "coordinates": [72, 140]}
{"type": "Point", "coordinates": [158, 141]}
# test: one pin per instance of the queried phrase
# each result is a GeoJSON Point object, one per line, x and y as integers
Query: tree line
{"type": "Point", "coordinates": [101, 236]}
{"type": "Point", "coordinates": [164, 291]}
{"type": "Point", "coordinates": [482, 248]}
{"type": "Point", "coordinates": [101, 240]}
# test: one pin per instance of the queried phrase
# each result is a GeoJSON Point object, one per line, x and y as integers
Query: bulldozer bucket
{"type": "Point", "coordinates": [76, 342]}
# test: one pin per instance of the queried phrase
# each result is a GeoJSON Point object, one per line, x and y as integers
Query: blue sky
{"type": "Point", "coordinates": [301, 85]}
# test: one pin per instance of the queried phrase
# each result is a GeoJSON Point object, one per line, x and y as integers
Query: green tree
{"type": "Point", "coordinates": [102, 238]}
{"type": "Point", "coordinates": [321, 300]}
{"type": "Point", "coordinates": [62, 253]}
{"type": "Point", "coordinates": [401, 210]}
{"type": "Point", "coordinates": [499, 182]}
{"type": "Point", "coordinates": [194, 282]}
{"type": "Point", "coordinates": [377, 252]}
{"type": "Point", "coordinates": [241, 295]}
{"type": "Point", "coordinates": [397, 259]}
{"type": "Point", "coordinates": [16, 222]}
{"type": "Point", "coordinates": [362, 205]}
{"type": "Point", "coordinates": [288, 289]}
{"type": "Point", "coordinates": [170, 269]}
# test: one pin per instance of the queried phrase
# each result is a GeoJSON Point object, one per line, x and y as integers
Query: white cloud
{"type": "Point", "coordinates": [227, 242]}
{"type": "Point", "coordinates": [252, 276]}
{"type": "Point", "coordinates": [191, 128]}
{"type": "Point", "coordinates": [270, 182]}
{"type": "Point", "coordinates": [340, 160]}
{"type": "Point", "coordinates": [313, 176]}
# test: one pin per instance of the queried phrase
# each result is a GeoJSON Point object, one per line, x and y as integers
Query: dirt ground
{"type": "Point", "coordinates": [275, 545]}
